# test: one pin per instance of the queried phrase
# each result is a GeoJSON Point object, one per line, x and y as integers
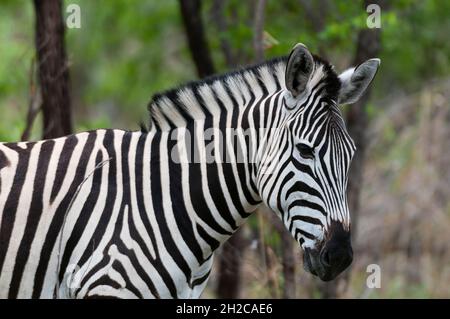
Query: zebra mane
{"type": "Point", "coordinates": [176, 107]}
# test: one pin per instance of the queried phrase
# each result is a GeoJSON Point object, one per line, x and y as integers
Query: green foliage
{"type": "Point", "coordinates": [128, 50]}
{"type": "Point", "coordinates": [125, 52]}
{"type": "Point", "coordinates": [415, 44]}
{"type": "Point", "coordinates": [16, 52]}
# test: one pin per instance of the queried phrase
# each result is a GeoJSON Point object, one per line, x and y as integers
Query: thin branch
{"type": "Point", "coordinates": [258, 30]}
{"type": "Point", "coordinates": [218, 18]}
{"type": "Point", "coordinates": [34, 102]}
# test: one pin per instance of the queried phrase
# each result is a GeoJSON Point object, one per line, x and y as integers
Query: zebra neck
{"type": "Point", "coordinates": [214, 129]}
{"type": "Point", "coordinates": [210, 171]}
{"type": "Point", "coordinates": [208, 191]}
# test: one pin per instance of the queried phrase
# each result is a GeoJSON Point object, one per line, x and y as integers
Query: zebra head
{"type": "Point", "coordinates": [314, 152]}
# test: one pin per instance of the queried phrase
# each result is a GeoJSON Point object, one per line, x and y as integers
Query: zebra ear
{"type": "Point", "coordinates": [355, 81]}
{"type": "Point", "coordinates": [299, 67]}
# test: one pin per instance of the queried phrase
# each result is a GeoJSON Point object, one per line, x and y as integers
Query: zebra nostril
{"type": "Point", "coordinates": [325, 257]}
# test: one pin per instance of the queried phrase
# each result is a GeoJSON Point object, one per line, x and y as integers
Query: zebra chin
{"type": "Point", "coordinates": [332, 258]}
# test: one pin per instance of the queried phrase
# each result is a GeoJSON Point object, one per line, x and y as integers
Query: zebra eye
{"type": "Point", "coordinates": [305, 151]}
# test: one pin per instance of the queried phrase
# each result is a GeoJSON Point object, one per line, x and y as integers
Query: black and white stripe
{"type": "Point", "coordinates": [109, 213]}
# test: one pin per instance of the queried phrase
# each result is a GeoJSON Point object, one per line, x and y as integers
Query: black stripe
{"type": "Point", "coordinates": [213, 243]}
{"type": "Point", "coordinates": [303, 188]}
{"type": "Point", "coordinates": [200, 280]}
{"type": "Point", "coordinates": [155, 173]}
{"type": "Point", "coordinates": [227, 167]}
{"type": "Point", "coordinates": [117, 266]}
{"type": "Point", "coordinates": [307, 219]}
{"type": "Point", "coordinates": [34, 215]}
{"type": "Point", "coordinates": [94, 269]}
{"type": "Point", "coordinates": [139, 173]}
{"type": "Point", "coordinates": [196, 190]}
{"type": "Point", "coordinates": [60, 213]}
{"type": "Point", "coordinates": [107, 281]}
{"type": "Point", "coordinates": [10, 208]}
{"type": "Point", "coordinates": [304, 234]}
{"type": "Point", "coordinates": [306, 203]}
{"type": "Point", "coordinates": [182, 218]}
{"type": "Point", "coordinates": [66, 154]}
{"type": "Point", "coordinates": [4, 162]}
{"type": "Point", "coordinates": [212, 174]}
{"type": "Point", "coordinates": [83, 219]}
{"type": "Point", "coordinates": [241, 167]}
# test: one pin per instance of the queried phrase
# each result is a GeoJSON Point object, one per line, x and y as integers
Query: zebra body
{"type": "Point", "coordinates": [111, 213]}
{"type": "Point", "coordinates": [94, 188]}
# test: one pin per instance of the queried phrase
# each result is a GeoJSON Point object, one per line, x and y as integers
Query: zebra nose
{"type": "Point", "coordinates": [325, 257]}
{"type": "Point", "coordinates": [336, 258]}
{"type": "Point", "coordinates": [337, 254]}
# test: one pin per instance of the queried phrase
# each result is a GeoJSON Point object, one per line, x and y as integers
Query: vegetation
{"type": "Point", "coordinates": [125, 51]}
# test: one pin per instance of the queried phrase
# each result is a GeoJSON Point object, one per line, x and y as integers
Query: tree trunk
{"type": "Point", "coordinates": [218, 18]}
{"type": "Point", "coordinates": [192, 19]}
{"type": "Point", "coordinates": [230, 267]}
{"type": "Point", "coordinates": [258, 30]}
{"type": "Point", "coordinates": [368, 46]}
{"type": "Point", "coordinates": [53, 69]}
{"type": "Point", "coordinates": [288, 264]}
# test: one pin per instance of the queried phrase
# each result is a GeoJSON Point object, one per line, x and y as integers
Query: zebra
{"type": "Point", "coordinates": [113, 213]}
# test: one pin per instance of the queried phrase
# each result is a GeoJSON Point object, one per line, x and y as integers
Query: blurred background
{"type": "Point", "coordinates": [125, 51]}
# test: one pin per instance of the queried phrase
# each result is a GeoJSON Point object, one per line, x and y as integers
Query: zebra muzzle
{"type": "Point", "coordinates": [332, 259]}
